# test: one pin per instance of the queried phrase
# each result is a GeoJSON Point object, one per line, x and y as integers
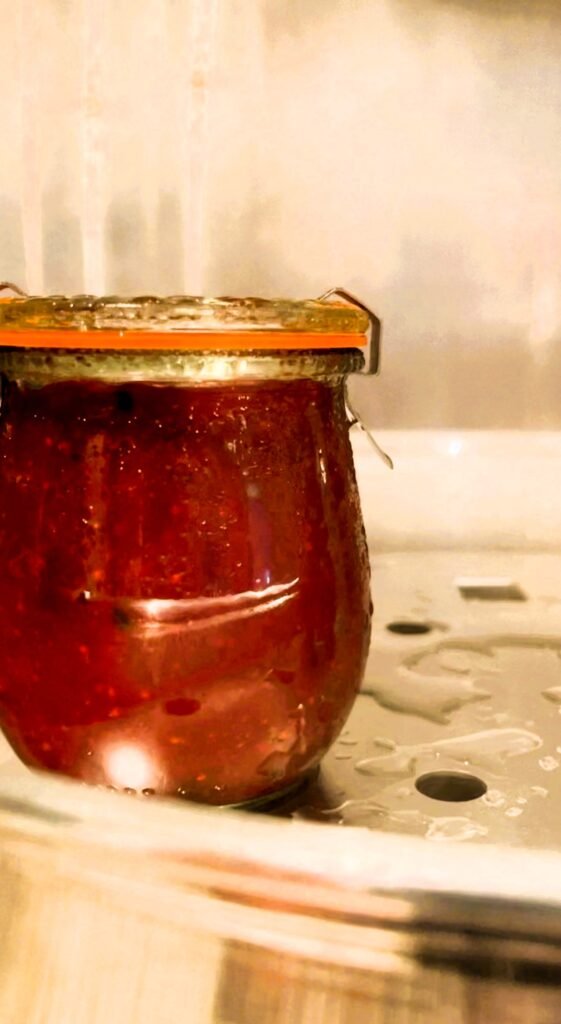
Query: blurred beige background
{"type": "Point", "coordinates": [407, 149]}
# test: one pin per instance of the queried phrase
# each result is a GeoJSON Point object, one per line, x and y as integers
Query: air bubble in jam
{"type": "Point", "coordinates": [185, 591]}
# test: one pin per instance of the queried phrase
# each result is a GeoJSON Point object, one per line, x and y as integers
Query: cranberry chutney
{"type": "Point", "coordinates": [184, 596]}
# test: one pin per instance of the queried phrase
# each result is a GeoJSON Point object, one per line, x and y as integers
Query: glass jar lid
{"type": "Point", "coordinates": [180, 323]}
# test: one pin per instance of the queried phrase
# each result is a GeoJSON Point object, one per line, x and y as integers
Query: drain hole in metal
{"type": "Point", "coordinates": [406, 628]}
{"type": "Point", "coordinates": [454, 787]}
{"type": "Point", "coordinates": [489, 588]}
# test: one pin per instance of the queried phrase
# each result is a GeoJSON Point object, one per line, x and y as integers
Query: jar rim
{"type": "Point", "coordinates": [38, 367]}
{"type": "Point", "coordinates": [180, 322]}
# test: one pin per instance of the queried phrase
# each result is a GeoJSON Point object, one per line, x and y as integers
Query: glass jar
{"type": "Point", "coordinates": [184, 596]}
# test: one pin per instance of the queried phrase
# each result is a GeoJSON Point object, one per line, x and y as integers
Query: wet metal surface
{"type": "Point", "coordinates": [460, 698]}
{"type": "Point", "coordinates": [469, 687]}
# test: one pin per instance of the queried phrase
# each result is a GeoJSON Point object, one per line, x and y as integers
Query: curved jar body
{"type": "Point", "coordinates": [184, 598]}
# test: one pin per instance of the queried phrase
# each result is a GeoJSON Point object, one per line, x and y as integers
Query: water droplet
{"type": "Point", "coordinates": [347, 741]}
{"type": "Point", "coordinates": [384, 743]}
{"type": "Point", "coordinates": [494, 798]}
{"type": "Point", "coordinates": [463, 662]}
{"type": "Point", "coordinates": [539, 790]}
{"type": "Point", "coordinates": [400, 763]}
{"type": "Point", "coordinates": [411, 820]}
{"type": "Point", "coordinates": [513, 812]}
{"type": "Point", "coordinates": [488, 748]}
{"type": "Point", "coordinates": [457, 829]}
{"type": "Point", "coordinates": [549, 764]}
{"type": "Point", "coordinates": [350, 811]}
{"type": "Point", "coordinates": [488, 716]}
{"type": "Point", "coordinates": [427, 696]}
{"type": "Point", "coordinates": [343, 757]}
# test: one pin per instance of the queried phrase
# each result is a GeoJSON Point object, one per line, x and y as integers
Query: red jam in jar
{"type": "Point", "coordinates": [184, 596]}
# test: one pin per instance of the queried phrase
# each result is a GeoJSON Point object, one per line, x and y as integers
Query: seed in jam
{"type": "Point", "coordinates": [124, 401]}
{"type": "Point", "coordinates": [181, 706]}
{"type": "Point", "coordinates": [121, 618]}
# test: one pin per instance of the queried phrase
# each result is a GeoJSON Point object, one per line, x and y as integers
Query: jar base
{"type": "Point", "coordinates": [280, 798]}
{"type": "Point", "coordinates": [276, 801]}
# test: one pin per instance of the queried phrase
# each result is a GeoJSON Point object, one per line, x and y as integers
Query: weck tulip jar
{"type": "Point", "coordinates": [184, 595]}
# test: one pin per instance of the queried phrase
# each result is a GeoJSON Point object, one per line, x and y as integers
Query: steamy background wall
{"type": "Point", "coordinates": [409, 150]}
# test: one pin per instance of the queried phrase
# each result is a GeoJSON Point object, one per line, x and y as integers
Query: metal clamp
{"type": "Point", "coordinates": [372, 354]}
{"type": "Point", "coordinates": [9, 286]}
{"type": "Point", "coordinates": [371, 364]}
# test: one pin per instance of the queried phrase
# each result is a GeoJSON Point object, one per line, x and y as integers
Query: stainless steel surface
{"type": "Point", "coordinates": [479, 691]}
{"type": "Point", "coordinates": [113, 909]}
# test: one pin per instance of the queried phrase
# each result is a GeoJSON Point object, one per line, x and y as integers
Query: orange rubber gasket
{"type": "Point", "coordinates": [176, 341]}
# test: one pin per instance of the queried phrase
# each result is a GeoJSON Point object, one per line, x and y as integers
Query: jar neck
{"type": "Point", "coordinates": [39, 367]}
